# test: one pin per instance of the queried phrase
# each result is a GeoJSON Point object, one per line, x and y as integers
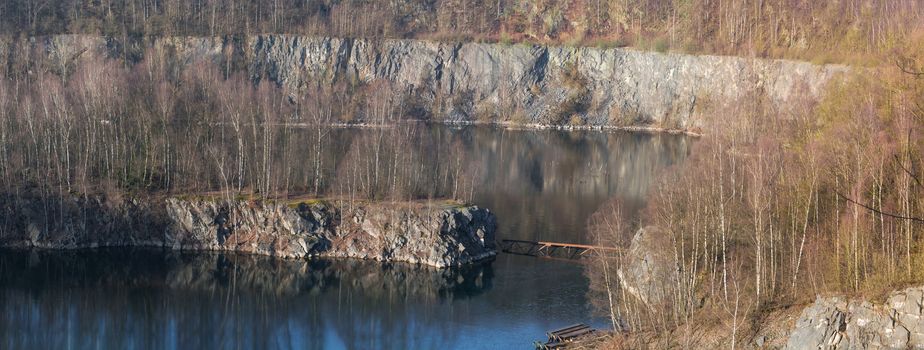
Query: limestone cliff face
{"type": "Point", "coordinates": [524, 84]}
{"type": "Point", "coordinates": [439, 235]}
{"type": "Point", "coordinates": [836, 323]}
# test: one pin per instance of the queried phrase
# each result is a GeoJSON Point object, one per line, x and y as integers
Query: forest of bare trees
{"type": "Point", "coordinates": [151, 128]}
{"type": "Point", "coordinates": [822, 30]}
{"type": "Point", "coordinates": [775, 208]}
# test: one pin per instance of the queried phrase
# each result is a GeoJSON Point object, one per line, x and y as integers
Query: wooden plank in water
{"type": "Point", "coordinates": [554, 345]}
{"type": "Point", "coordinates": [568, 333]}
{"type": "Point", "coordinates": [556, 335]}
{"type": "Point", "coordinates": [563, 329]}
{"type": "Point", "coordinates": [562, 336]}
{"type": "Point", "coordinates": [576, 333]}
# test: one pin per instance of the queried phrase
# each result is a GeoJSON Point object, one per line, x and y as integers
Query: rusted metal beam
{"type": "Point", "coordinates": [551, 249]}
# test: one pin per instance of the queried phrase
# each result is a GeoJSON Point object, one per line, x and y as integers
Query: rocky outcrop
{"type": "Point", "coordinates": [525, 84]}
{"type": "Point", "coordinates": [648, 272]}
{"type": "Point", "coordinates": [836, 323]}
{"type": "Point", "coordinates": [434, 234]}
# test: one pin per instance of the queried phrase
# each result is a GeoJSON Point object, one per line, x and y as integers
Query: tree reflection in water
{"type": "Point", "coordinates": [150, 298]}
{"type": "Point", "coordinates": [543, 185]}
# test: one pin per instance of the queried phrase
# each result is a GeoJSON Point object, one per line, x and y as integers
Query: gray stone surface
{"type": "Point", "coordinates": [833, 323]}
{"type": "Point", "coordinates": [524, 83]}
{"type": "Point", "coordinates": [434, 234]}
{"type": "Point", "coordinates": [820, 326]}
{"type": "Point", "coordinates": [649, 272]}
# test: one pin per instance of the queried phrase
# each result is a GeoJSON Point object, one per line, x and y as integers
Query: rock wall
{"type": "Point", "coordinates": [649, 271]}
{"type": "Point", "coordinates": [523, 84]}
{"type": "Point", "coordinates": [836, 323]}
{"type": "Point", "coordinates": [434, 234]}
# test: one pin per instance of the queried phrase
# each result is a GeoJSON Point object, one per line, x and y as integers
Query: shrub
{"type": "Point", "coordinates": [519, 117]}
{"type": "Point", "coordinates": [572, 77]}
{"type": "Point", "coordinates": [505, 39]}
{"type": "Point", "coordinates": [609, 43]}
{"type": "Point", "coordinates": [574, 104]}
{"type": "Point", "coordinates": [661, 45]}
{"type": "Point", "coordinates": [486, 112]}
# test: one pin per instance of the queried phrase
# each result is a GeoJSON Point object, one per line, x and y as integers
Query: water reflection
{"type": "Point", "coordinates": [151, 298]}
{"type": "Point", "coordinates": [543, 185]}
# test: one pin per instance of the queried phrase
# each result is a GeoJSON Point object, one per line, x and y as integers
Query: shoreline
{"type": "Point", "coordinates": [435, 234]}
{"type": "Point", "coordinates": [511, 126]}
{"type": "Point", "coordinates": [24, 246]}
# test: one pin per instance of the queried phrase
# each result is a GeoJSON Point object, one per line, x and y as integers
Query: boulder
{"type": "Point", "coordinates": [819, 326]}
{"type": "Point", "coordinates": [649, 272]}
{"type": "Point", "coordinates": [834, 323]}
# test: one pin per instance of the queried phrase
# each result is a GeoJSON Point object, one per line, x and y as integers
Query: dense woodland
{"type": "Point", "coordinates": [104, 128]}
{"type": "Point", "coordinates": [772, 208]}
{"type": "Point", "coordinates": [848, 30]}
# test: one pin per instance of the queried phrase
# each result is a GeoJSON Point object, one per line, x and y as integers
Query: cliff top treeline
{"type": "Point", "coordinates": [844, 31]}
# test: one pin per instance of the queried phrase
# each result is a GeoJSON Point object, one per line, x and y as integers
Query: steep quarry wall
{"type": "Point", "coordinates": [434, 234]}
{"type": "Point", "coordinates": [469, 82]}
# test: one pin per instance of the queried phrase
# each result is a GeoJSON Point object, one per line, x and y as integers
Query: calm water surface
{"type": "Point", "coordinates": [543, 185]}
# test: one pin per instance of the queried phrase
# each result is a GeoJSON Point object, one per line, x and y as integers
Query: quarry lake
{"type": "Point", "coordinates": [543, 185]}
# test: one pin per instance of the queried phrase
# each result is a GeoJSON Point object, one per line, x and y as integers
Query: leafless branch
{"type": "Point", "coordinates": [903, 66]}
{"type": "Point", "coordinates": [877, 211]}
{"type": "Point", "coordinates": [908, 171]}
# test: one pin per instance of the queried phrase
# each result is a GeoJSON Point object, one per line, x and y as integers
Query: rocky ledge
{"type": "Point", "coordinates": [836, 323]}
{"type": "Point", "coordinates": [436, 234]}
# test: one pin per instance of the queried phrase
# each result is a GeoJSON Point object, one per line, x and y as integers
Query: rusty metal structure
{"type": "Point", "coordinates": [553, 249]}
